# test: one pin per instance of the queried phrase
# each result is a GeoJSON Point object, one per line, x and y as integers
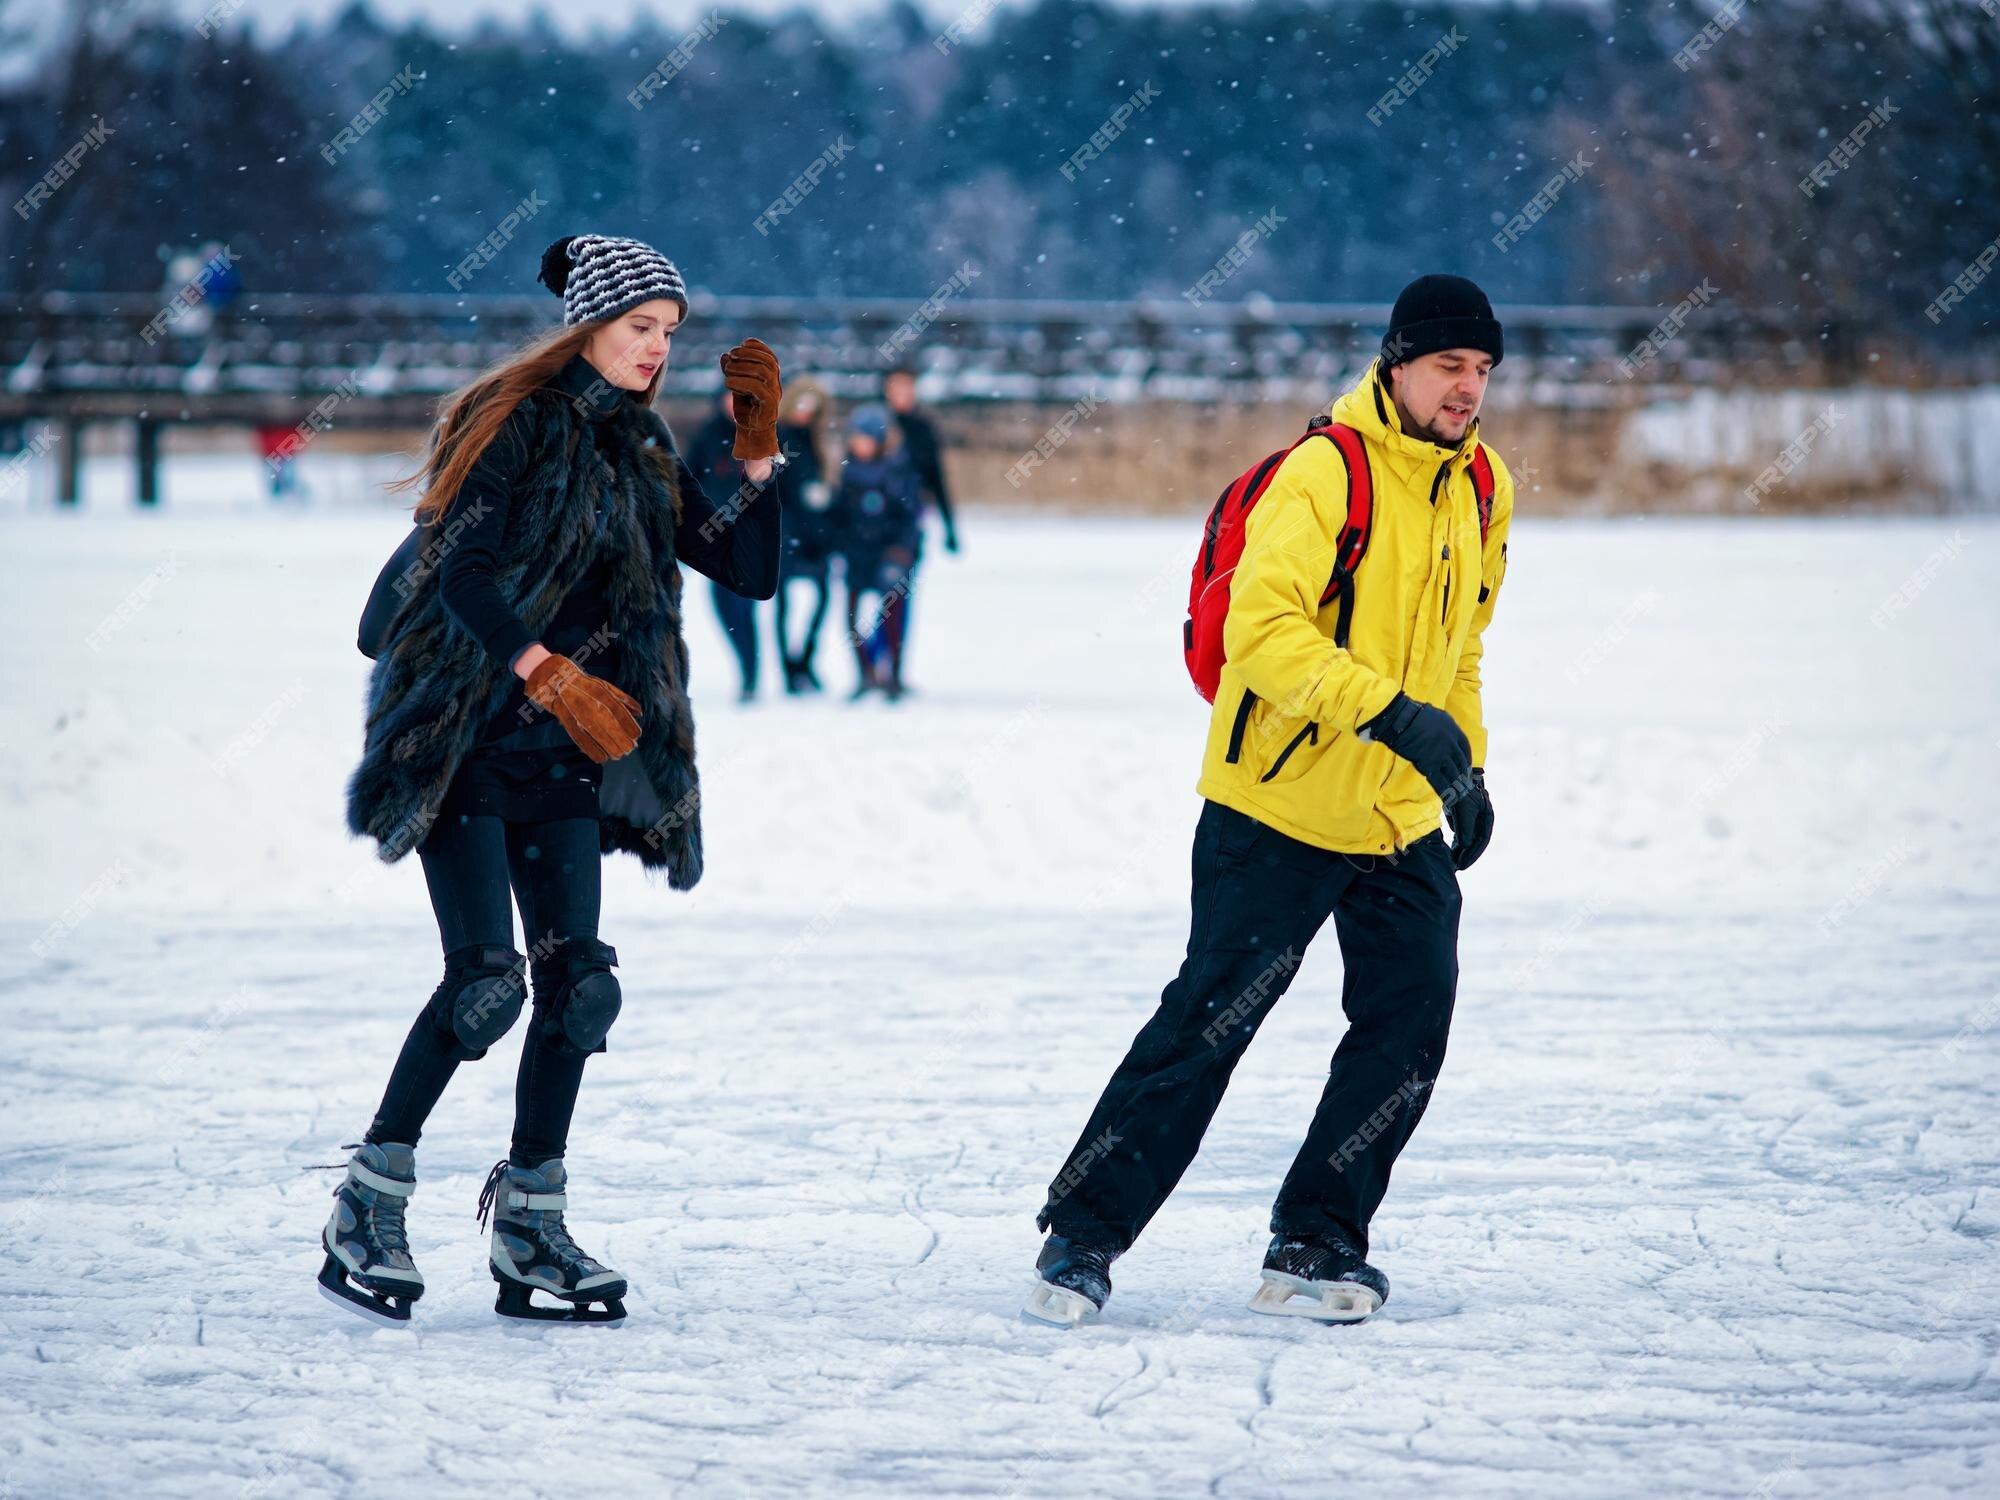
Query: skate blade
{"type": "Point", "coordinates": [1322, 1301]}
{"type": "Point", "coordinates": [374, 1312]}
{"type": "Point", "coordinates": [1058, 1305]}
{"type": "Point", "coordinates": [514, 1301]}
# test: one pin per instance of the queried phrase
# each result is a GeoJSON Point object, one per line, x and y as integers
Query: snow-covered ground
{"type": "Point", "coordinates": [1705, 1204]}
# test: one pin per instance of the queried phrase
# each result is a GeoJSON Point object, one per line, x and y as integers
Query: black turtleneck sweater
{"type": "Point", "coordinates": [524, 765]}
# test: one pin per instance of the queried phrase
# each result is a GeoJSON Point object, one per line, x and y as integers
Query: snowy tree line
{"type": "Point", "coordinates": [1556, 152]}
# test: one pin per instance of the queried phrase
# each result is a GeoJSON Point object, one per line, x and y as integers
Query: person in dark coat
{"type": "Point", "coordinates": [712, 460]}
{"type": "Point", "coordinates": [880, 510]}
{"type": "Point", "coordinates": [527, 714]}
{"type": "Point", "coordinates": [811, 527]}
{"type": "Point", "coordinates": [919, 439]}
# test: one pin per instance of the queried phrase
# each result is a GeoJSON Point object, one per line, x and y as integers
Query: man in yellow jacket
{"type": "Point", "coordinates": [1345, 734]}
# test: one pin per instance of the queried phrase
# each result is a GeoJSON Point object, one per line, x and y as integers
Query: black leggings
{"type": "Point", "coordinates": [817, 574]}
{"type": "Point", "coordinates": [556, 873]}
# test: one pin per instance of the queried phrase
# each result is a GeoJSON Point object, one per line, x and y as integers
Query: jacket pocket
{"type": "Point", "coordinates": [1309, 732]}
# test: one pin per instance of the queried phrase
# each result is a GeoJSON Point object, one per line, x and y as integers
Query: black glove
{"type": "Point", "coordinates": [1428, 738]}
{"type": "Point", "coordinates": [1471, 815]}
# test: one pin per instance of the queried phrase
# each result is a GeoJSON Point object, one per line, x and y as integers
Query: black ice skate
{"type": "Point", "coordinates": [368, 1266]}
{"type": "Point", "coordinates": [1323, 1279]}
{"type": "Point", "coordinates": [532, 1250]}
{"type": "Point", "coordinates": [1075, 1281]}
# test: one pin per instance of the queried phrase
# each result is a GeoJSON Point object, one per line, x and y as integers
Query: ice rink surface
{"type": "Point", "coordinates": [1705, 1203]}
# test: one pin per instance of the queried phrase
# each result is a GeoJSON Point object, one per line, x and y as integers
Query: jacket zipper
{"type": "Point", "coordinates": [1286, 753]}
{"type": "Point", "coordinates": [1437, 484]}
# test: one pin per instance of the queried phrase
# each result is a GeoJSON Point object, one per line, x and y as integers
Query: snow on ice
{"type": "Point", "coordinates": [1705, 1203]}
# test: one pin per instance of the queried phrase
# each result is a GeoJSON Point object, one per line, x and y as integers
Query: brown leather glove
{"type": "Point", "coordinates": [601, 717]}
{"type": "Point", "coordinates": [750, 370]}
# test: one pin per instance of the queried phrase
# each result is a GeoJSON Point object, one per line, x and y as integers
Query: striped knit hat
{"type": "Point", "coordinates": [600, 276]}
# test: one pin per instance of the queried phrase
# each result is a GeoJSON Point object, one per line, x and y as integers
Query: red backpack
{"type": "Point", "coordinates": [1222, 544]}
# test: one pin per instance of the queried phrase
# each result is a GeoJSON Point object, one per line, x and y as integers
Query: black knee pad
{"type": "Point", "coordinates": [479, 998]}
{"type": "Point", "coordinates": [576, 994]}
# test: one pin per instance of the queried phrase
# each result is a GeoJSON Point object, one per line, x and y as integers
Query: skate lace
{"type": "Point", "coordinates": [545, 1223]}
{"type": "Point", "coordinates": [488, 1193]}
{"type": "Point", "coordinates": [386, 1225]}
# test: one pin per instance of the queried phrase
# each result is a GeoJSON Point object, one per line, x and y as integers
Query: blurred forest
{"type": "Point", "coordinates": [957, 151]}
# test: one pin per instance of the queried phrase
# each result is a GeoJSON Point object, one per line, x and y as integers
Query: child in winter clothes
{"type": "Point", "coordinates": [880, 504]}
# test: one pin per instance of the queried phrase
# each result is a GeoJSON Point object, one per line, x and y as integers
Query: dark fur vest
{"type": "Point", "coordinates": [434, 685]}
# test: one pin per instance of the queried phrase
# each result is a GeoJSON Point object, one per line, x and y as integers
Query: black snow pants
{"type": "Point", "coordinates": [1259, 897]}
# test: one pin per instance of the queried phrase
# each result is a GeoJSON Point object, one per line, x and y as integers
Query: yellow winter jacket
{"type": "Point", "coordinates": [1281, 745]}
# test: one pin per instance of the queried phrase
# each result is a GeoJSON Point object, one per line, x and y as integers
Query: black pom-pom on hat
{"type": "Point", "coordinates": [556, 265]}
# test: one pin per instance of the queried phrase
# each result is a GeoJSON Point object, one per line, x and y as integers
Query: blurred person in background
{"type": "Point", "coordinates": [810, 530]}
{"type": "Point", "coordinates": [920, 440]}
{"type": "Point", "coordinates": [880, 511]}
{"type": "Point", "coordinates": [712, 457]}
{"type": "Point", "coordinates": [279, 448]}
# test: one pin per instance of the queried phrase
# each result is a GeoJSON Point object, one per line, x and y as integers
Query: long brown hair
{"type": "Point", "coordinates": [472, 416]}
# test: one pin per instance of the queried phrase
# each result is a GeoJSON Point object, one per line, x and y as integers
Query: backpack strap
{"type": "Point", "coordinates": [1482, 488]}
{"type": "Point", "coordinates": [1353, 541]}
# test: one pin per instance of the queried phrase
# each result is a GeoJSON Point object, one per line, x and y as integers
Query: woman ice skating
{"type": "Point", "coordinates": [528, 714]}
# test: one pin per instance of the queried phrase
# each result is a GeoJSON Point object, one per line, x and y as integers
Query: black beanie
{"type": "Point", "coordinates": [1440, 312]}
